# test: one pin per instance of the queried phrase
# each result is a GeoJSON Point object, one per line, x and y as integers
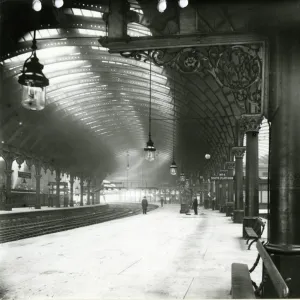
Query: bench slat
{"type": "Point", "coordinates": [250, 232]}
{"type": "Point", "coordinates": [278, 282]}
{"type": "Point", "coordinates": [241, 285]}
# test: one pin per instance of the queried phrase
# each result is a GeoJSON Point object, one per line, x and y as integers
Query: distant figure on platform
{"type": "Point", "coordinates": [213, 202]}
{"type": "Point", "coordinates": [161, 201]}
{"type": "Point", "coordinates": [195, 206]}
{"type": "Point", "coordinates": [144, 205]}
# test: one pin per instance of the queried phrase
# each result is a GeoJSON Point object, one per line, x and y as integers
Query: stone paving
{"type": "Point", "coordinates": [161, 255]}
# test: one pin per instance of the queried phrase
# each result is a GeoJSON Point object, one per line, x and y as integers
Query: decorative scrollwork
{"type": "Point", "coordinates": [255, 263]}
{"type": "Point", "coordinates": [234, 67]}
{"type": "Point", "coordinates": [238, 67]}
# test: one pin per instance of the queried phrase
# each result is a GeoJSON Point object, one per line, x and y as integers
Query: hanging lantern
{"type": "Point", "coordinates": [173, 168]}
{"type": "Point", "coordinates": [182, 177]}
{"type": "Point", "coordinates": [150, 150]}
{"type": "Point", "coordinates": [34, 82]}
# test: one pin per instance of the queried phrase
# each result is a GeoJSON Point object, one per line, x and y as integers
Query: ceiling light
{"type": "Point", "coordinates": [173, 168]}
{"type": "Point", "coordinates": [36, 5]}
{"type": "Point", "coordinates": [58, 3]}
{"type": "Point", "coordinates": [207, 156]}
{"type": "Point", "coordinates": [183, 3]}
{"type": "Point", "coordinates": [34, 82]}
{"type": "Point", "coordinates": [161, 5]}
{"type": "Point", "coordinates": [150, 149]}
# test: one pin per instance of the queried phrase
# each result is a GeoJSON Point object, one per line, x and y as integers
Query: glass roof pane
{"type": "Point", "coordinates": [97, 14]}
{"type": "Point", "coordinates": [77, 11]}
{"type": "Point", "coordinates": [44, 33]}
{"type": "Point", "coordinates": [86, 13]}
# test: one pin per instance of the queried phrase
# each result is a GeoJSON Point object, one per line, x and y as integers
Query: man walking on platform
{"type": "Point", "coordinates": [144, 205]}
{"type": "Point", "coordinates": [195, 206]}
{"type": "Point", "coordinates": [161, 201]}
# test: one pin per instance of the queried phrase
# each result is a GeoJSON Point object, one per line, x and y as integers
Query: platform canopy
{"type": "Point", "coordinates": [96, 119]}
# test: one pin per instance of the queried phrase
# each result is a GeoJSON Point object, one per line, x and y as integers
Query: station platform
{"type": "Point", "coordinates": [161, 255]}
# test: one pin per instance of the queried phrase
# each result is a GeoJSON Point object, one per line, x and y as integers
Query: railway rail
{"type": "Point", "coordinates": [13, 230]}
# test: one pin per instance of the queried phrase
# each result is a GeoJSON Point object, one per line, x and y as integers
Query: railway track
{"type": "Point", "coordinates": [12, 231]}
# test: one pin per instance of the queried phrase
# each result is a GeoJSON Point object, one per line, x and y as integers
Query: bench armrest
{"type": "Point", "coordinates": [276, 278]}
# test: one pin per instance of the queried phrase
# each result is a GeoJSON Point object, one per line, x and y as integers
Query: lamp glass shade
{"type": "Point", "coordinates": [150, 150]}
{"type": "Point", "coordinates": [207, 156]}
{"type": "Point", "coordinates": [173, 168]}
{"type": "Point", "coordinates": [33, 98]}
{"type": "Point", "coordinates": [149, 155]}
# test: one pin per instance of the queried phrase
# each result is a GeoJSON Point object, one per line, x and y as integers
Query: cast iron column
{"type": "Point", "coordinates": [81, 190]}
{"type": "Point", "coordinates": [57, 179]}
{"type": "Point", "coordinates": [284, 115]}
{"type": "Point", "coordinates": [238, 213]}
{"type": "Point", "coordinates": [230, 166]}
{"type": "Point", "coordinates": [88, 191]}
{"type": "Point", "coordinates": [251, 124]}
{"type": "Point", "coordinates": [9, 158]}
{"type": "Point", "coordinates": [71, 190]}
{"type": "Point", "coordinates": [38, 177]}
{"type": "Point", "coordinates": [223, 173]}
{"type": "Point", "coordinates": [217, 193]}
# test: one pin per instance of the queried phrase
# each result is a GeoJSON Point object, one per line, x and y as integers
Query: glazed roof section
{"type": "Point", "coordinates": [108, 95]}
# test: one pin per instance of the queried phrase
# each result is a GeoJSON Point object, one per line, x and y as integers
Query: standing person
{"type": "Point", "coordinates": [161, 201]}
{"type": "Point", "coordinates": [195, 206]}
{"type": "Point", "coordinates": [144, 205]}
{"type": "Point", "coordinates": [213, 202]}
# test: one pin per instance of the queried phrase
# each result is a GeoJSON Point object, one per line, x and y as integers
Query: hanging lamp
{"type": "Point", "coordinates": [34, 82]}
{"type": "Point", "coordinates": [182, 174]}
{"type": "Point", "coordinates": [150, 149]}
{"type": "Point", "coordinates": [173, 167]}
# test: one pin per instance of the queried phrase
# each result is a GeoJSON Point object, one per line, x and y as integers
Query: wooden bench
{"type": "Point", "coordinates": [242, 287]}
{"type": "Point", "coordinates": [254, 233]}
{"type": "Point", "coordinates": [241, 284]}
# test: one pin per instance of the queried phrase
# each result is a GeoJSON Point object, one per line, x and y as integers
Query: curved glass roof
{"type": "Point", "coordinates": [107, 97]}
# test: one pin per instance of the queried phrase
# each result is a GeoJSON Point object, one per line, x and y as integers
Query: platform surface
{"type": "Point", "coordinates": [161, 255]}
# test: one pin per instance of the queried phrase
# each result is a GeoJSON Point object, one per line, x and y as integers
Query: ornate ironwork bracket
{"type": "Point", "coordinates": [236, 68]}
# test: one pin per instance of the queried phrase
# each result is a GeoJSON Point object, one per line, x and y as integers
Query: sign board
{"type": "Point", "coordinates": [222, 178]}
{"type": "Point", "coordinates": [24, 174]}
